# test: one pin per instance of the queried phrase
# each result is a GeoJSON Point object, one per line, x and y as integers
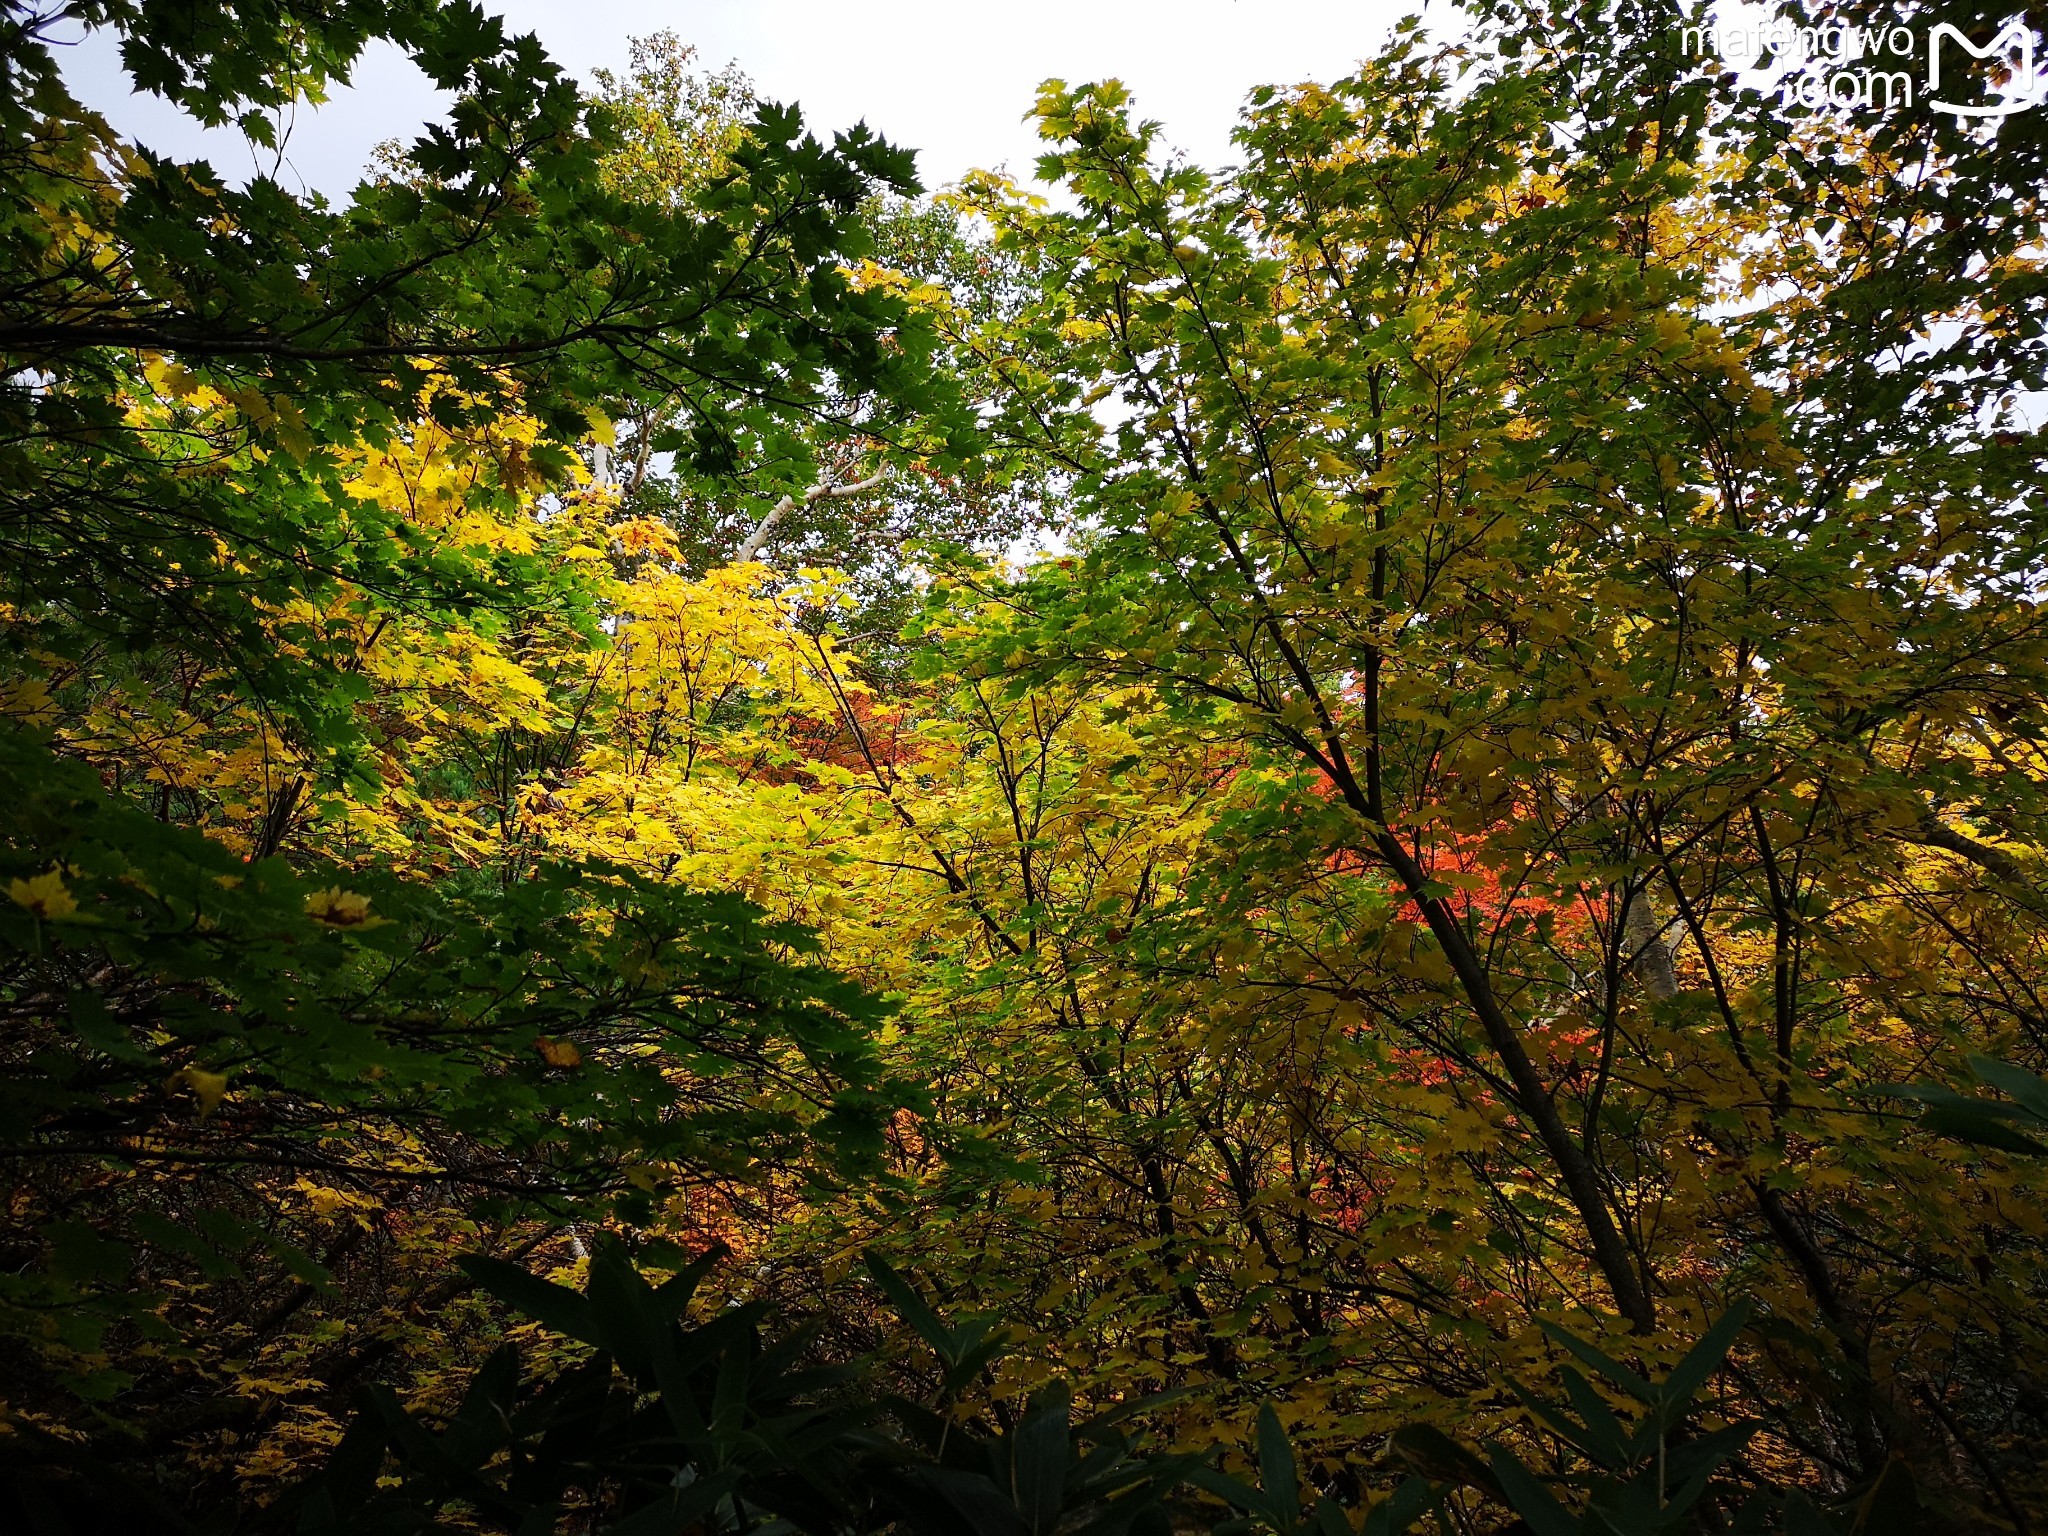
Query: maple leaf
{"type": "Point", "coordinates": [558, 1053]}
{"type": "Point", "coordinates": [45, 895]}
{"type": "Point", "coordinates": [339, 909]}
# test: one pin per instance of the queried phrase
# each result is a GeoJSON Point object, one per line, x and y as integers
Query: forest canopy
{"type": "Point", "coordinates": [697, 840]}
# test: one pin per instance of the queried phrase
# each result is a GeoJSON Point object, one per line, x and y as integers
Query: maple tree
{"type": "Point", "coordinates": [1455, 928]}
{"type": "Point", "coordinates": [295, 547]}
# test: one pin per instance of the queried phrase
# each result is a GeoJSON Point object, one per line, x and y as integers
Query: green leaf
{"type": "Point", "coordinates": [1892, 1506]}
{"type": "Point", "coordinates": [911, 1307]}
{"type": "Point", "coordinates": [171, 1237]}
{"type": "Point", "coordinates": [1980, 1127]}
{"type": "Point", "coordinates": [1436, 1456]}
{"type": "Point", "coordinates": [1596, 1431]}
{"type": "Point", "coordinates": [97, 1027]}
{"type": "Point", "coordinates": [1276, 1464]}
{"type": "Point", "coordinates": [1039, 1455]}
{"type": "Point", "coordinates": [552, 1306]}
{"type": "Point", "coordinates": [1531, 1500]}
{"type": "Point", "coordinates": [2028, 1088]}
{"type": "Point", "coordinates": [302, 1266]}
{"type": "Point", "coordinates": [672, 1296]}
{"type": "Point", "coordinates": [1701, 1361]}
{"type": "Point", "coordinates": [1635, 1386]}
{"type": "Point", "coordinates": [81, 1256]}
{"type": "Point", "coordinates": [679, 1509]}
{"type": "Point", "coordinates": [1397, 1513]}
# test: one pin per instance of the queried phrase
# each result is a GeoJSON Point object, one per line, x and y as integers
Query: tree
{"type": "Point", "coordinates": [1437, 487]}
{"type": "Point", "coordinates": [290, 520]}
{"type": "Point", "coordinates": [881, 482]}
{"type": "Point", "coordinates": [1522, 783]}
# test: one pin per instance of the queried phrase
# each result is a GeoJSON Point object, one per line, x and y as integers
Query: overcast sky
{"type": "Point", "coordinates": [949, 78]}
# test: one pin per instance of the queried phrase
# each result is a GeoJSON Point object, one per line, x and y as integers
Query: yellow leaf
{"type": "Point", "coordinates": [339, 908]}
{"type": "Point", "coordinates": [558, 1053]}
{"type": "Point", "coordinates": [45, 895]}
{"type": "Point", "coordinates": [209, 1088]}
{"type": "Point", "coordinates": [171, 379]}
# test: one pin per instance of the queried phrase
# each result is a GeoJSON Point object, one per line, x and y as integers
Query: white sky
{"type": "Point", "coordinates": [949, 78]}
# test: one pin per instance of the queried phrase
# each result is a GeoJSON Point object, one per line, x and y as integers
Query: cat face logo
{"type": "Point", "coordinates": [2014, 45]}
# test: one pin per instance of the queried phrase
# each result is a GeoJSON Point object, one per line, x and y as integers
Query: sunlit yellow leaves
{"type": "Point", "coordinates": [646, 536]}
{"type": "Point", "coordinates": [325, 1200]}
{"type": "Point", "coordinates": [442, 481]}
{"type": "Point", "coordinates": [172, 380]}
{"type": "Point", "coordinates": [645, 1176]}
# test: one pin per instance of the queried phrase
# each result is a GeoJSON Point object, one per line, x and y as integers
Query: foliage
{"type": "Point", "coordinates": [669, 1425]}
{"type": "Point", "coordinates": [530, 732]}
{"type": "Point", "coordinates": [878, 487]}
{"type": "Point", "coordinates": [662, 1423]}
{"type": "Point", "coordinates": [1988, 1122]}
{"type": "Point", "coordinates": [1439, 503]}
{"type": "Point", "coordinates": [296, 543]}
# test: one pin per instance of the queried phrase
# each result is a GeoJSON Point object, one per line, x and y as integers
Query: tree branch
{"type": "Point", "coordinates": [812, 497]}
